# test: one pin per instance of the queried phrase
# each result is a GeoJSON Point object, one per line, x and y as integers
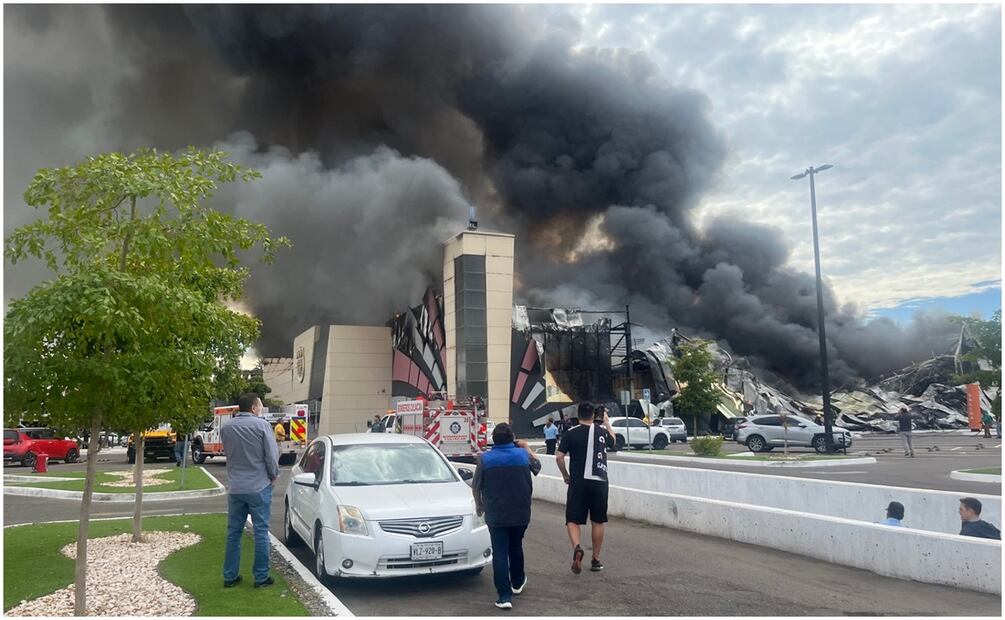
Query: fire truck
{"type": "Point", "coordinates": [207, 443]}
{"type": "Point", "coordinates": [455, 427]}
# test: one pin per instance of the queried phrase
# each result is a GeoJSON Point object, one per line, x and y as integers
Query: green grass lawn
{"type": "Point", "coordinates": [195, 479]}
{"type": "Point", "coordinates": [994, 471]}
{"type": "Point", "coordinates": [33, 566]}
{"type": "Point", "coordinates": [773, 457]}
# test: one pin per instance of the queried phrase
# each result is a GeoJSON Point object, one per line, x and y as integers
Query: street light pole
{"type": "Point", "coordinates": [821, 328]}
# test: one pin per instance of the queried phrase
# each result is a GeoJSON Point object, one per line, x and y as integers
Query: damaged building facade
{"type": "Point", "coordinates": [530, 364]}
{"type": "Point", "coordinates": [457, 342]}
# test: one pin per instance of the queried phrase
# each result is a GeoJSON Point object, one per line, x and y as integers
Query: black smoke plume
{"type": "Point", "coordinates": [376, 127]}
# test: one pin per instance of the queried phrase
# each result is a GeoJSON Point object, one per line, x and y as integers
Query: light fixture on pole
{"type": "Point", "coordinates": [821, 329]}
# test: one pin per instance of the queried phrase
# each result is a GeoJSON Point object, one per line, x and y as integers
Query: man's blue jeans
{"type": "Point", "coordinates": [239, 506]}
{"type": "Point", "coordinates": [507, 559]}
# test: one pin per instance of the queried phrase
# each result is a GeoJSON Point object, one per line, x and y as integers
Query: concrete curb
{"type": "Point", "coordinates": [7, 478]}
{"type": "Point", "coordinates": [335, 606]}
{"type": "Point", "coordinates": [962, 475]}
{"type": "Point", "coordinates": [736, 461]}
{"type": "Point", "coordinates": [119, 497]}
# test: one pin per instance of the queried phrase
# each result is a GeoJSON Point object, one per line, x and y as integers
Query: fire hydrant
{"type": "Point", "coordinates": [40, 464]}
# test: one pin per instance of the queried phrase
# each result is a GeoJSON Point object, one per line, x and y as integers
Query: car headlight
{"type": "Point", "coordinates": [350, 521]}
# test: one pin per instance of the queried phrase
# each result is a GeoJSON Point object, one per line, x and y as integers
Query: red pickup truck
{"type": "Point", "coordinates": [23, 445]}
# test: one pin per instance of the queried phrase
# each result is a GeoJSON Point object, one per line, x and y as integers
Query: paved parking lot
{"type": "Point", "coordinates": [650, 571]}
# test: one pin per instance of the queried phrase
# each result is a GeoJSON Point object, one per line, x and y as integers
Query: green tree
{"type": "Point", "coordinates": [987, 336]}
{"type": "Point", "coordinates": [692, 368]}
{"type": "Point", "coordinates": [250, 381]}
{"type": "Point", "coordinates": [133, 331]}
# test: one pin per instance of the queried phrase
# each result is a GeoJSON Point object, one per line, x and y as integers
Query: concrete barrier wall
{"type": "Point", "coordinates": [930, 510]}
{"type": "Point", "coordinates": [945, 559]}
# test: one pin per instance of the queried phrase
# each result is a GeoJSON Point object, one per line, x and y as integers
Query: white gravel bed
{"type": "Point", "coordinates": [122, 579]}
{"type": "Point", "coordinates": [151, 478]}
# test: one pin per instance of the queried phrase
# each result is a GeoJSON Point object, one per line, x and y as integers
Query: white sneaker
{"type": "Point", "coordinates": [523, 585]}
{"type": "Point", "coordinates": [504, 605]}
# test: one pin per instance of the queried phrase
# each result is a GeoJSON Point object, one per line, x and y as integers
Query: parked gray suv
{"type": "Point", "coordinates": [765, 432]}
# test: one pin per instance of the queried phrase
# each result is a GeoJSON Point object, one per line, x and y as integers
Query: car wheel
{"type": "Point", "coordinates": [292, 538]}
{"type": "Point", "coordinates": [820, 444]}
{"type": "Point", "coordinates": [197, 454]}
{"type": "Point", "coordinates": [319, 557]}
{"type": "Point", "coordinates": [29, 459]}
{"type": "Point", "coordinates": [660, 442]}
{"type": "Point", "coordinates": [619, 442]}
{"type": "Point", "coordinates": [756, 443]}
{"type": "Point", "coordinates": [71, 456]}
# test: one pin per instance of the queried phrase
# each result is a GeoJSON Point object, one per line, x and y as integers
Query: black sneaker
{"type": "Point", "coordinates": [233, 582]}
{"type": "Point", "coordinates": [268, 582]}
{"type": "Point", "coordinates": [596, 565]}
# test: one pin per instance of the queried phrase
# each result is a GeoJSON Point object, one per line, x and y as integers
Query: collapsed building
{"type": "Point", "coordinates": [530, 364]}
{"type": "Point", "coordinates": [926, 389]}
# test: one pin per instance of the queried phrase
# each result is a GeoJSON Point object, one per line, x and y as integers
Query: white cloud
{"type": "Point", "coordinates": [905, 100]}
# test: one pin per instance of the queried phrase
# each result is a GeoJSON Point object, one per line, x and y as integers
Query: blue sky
{"type": "Point", "coordinates": [982, 304]}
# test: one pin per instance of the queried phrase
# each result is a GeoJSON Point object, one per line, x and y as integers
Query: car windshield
{"type": "Point", "coordinates": [374, 464]}
{"type": "Point", "coordinates": [10, 435]}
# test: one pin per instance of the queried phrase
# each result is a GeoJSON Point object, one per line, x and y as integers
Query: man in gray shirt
{"type": "Point", "coordinates": [904, 426]}
{"type": "Point", "coordinates": [252, 468]}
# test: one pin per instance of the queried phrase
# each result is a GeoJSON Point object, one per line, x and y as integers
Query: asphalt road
{"type": "Point", "coordinates": [650, 571]}
{"type": "Point", "coordinates": [929, 469]}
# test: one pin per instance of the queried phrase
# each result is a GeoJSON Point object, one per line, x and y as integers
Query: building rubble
{"type": "Point", "coordinates": [925, 388]}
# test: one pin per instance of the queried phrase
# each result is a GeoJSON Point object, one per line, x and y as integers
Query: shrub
{"type": "Point", "coordinates": [707, 446]}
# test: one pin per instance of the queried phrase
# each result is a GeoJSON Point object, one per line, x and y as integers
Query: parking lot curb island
{"type": "Point", "coordinates": [971, 477]}
{"type": "Point", "coordinates": [118, 497]}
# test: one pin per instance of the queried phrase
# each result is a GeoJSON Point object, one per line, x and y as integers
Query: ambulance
{"type": "Point", "coordinates": [207, 443]}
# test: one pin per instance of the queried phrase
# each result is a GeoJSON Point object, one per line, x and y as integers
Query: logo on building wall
{"type": "Point", "coordinates": [301, 364]}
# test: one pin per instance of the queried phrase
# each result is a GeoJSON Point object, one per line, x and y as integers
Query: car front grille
{"type": "Point", "coordinates": [405, 562]}
{"type": "Point", "coordinates": [422, 528]}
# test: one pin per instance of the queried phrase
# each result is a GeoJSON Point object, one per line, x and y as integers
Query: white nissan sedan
{"type": "Point", "coordinates": [380, 505]}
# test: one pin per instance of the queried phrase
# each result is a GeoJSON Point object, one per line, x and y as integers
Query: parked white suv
{"type": "Point", "coordinates": [636, 433]}
{"type": "Point", "coordinates": [765, 432]}
{"type": "Point", "coordinates": [674, 426]}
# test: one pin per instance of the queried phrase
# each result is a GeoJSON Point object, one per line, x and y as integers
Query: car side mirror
{"type": "Point", "coordinates": [465, 473]}
{"type": "Point", "coordinates": [307, 480]}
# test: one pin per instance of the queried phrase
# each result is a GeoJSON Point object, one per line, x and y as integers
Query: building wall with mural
{"type": "Point", "coordinates": [419, 350]}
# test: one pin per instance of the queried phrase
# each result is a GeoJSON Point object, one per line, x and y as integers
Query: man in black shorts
{"type": "Point", "coordinates": [586, 445]}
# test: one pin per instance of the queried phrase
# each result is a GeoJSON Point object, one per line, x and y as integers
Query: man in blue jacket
{"type": "Point", "coordinates": [502, 488]}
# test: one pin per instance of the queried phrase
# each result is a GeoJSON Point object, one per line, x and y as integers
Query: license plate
{"type": "Point", "coordinates": [427, 551]}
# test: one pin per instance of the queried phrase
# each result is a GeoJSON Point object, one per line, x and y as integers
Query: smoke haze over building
{"type": "Point", "coordinates": [377, 127]}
